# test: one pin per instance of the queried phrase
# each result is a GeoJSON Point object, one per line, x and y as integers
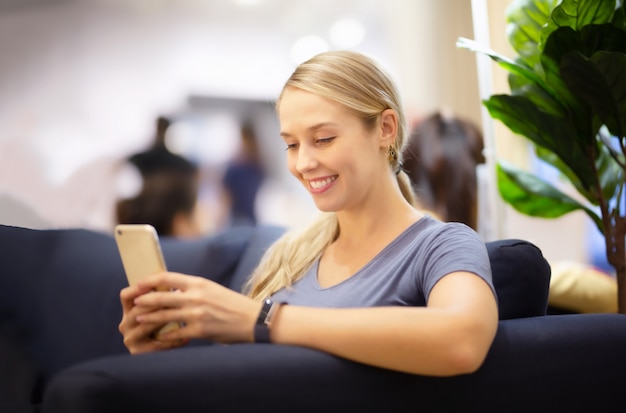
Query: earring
{"type": "Point", "coordinates": [392, 156]}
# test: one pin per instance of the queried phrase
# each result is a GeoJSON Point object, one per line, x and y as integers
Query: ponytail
{"type": "Point", "coordinates": [406, 187]}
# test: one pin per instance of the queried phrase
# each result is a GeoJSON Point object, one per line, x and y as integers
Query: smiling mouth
{"type": "Point", "coordinates": [321, 183]}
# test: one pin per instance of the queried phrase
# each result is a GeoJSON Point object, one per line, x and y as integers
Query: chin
{"type": "Point", "coordinates": [325, 207]}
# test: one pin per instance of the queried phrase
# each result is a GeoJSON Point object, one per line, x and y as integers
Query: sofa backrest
{"type": "Point", "coordinates": [61, 302]}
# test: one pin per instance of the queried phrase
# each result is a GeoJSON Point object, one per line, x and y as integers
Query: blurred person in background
{"type": "Point", "coordinates": [243, 177]}
{"type": "Point", "coordinates": [168, 197]}
{"type": "Point", "coordinates": [441, 160]}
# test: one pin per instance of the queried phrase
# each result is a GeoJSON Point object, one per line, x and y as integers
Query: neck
{"type": "Point", "coordinates": [387, 219]}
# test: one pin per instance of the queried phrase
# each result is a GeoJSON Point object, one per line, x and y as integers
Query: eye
{"type": "Point", "coordinates": [325, 141]}
{"type": "Point", "coordinates": [291, 146]}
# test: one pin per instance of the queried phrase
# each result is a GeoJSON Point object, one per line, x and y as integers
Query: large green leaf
{"type": "Point", "coordinates": [559, 43]}
{"type": "Point", "coordinates": [509, 64]}
{"type": "Point", "coordinates": [535, 85]}
{"type": "Point", "coordinates": [525, 20]}
{"type": "Point", "coordinates": [577, 14]}
{"type": "Point", "coordinates": [533, 196]}
{"type": "Point", "coordinates": [598, 37]}
{"type": "Point", "coordinates": [600, 82]}
{"type": "Point", "coordinates": [588, 41]}
{"type": "Point", "coordinates": [552, 159]}
{"type": "Point", "coordinates": [539, 96]}
{"type": "Point", "coordinates": [521, 116]}
{"type": "Point", "coordinates": [610, 173]}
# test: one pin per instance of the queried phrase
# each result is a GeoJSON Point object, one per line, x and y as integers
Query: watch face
{"type": "Point", "coordinates": [265, 311]}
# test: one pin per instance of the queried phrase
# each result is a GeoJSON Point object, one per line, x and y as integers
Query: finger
{"type": "Point", "coordinates": [170, 281]}
{"type": "Point", "coordinates": [161, 299]}
{"type": "Point", "coordinates": [129, 317]}
{"type": "Point", "coordinates": [128, 295]}
{"type": "Point", "coordinates": [180, 335]}
{"type": "Point", "coordinates": [171, 318]}
{"type": "Point", "coordinates": [155, 345]}
{"type": "Point", "coordinates": [138, 335]}
{"type": "Point", "coordinates": [190, 325]}
{"type": "Point", "coordinates": [161, 317]}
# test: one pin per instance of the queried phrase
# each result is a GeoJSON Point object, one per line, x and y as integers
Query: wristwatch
{"type": "Point", "coordinates": [261, 328]}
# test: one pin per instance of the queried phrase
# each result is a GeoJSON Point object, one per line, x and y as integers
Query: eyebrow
{"type": "Point", "coordinates": [311, 128]}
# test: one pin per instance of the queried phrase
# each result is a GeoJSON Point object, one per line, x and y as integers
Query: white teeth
{"type": "Point", "coordinates": [322, 183]}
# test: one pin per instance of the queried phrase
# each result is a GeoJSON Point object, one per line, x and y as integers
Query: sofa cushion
{"type": "Point", "coordinates": [521, 276]}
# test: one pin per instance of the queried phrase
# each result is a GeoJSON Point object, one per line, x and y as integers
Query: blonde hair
{"type": "Point", "coordinates": [358, 83]}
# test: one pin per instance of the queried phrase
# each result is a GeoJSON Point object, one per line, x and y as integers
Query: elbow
{"type": "Point", "coordinates": [467, 352]}
{"type": "Point", "coordinates": [466, 359]}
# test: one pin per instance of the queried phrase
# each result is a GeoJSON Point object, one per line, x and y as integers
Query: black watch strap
{"type": "Point", "coordinates": [262, 325]}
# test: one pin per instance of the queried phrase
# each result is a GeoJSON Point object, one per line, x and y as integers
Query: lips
{"type": "Point", "coordinates": [319, 185]}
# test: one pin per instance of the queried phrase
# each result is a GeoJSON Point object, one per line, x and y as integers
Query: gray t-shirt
{"type": "Point", "coordinates": [403, 273]}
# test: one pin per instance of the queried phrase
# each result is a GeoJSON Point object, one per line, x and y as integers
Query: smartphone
{"type": "Point", "coordinates": [140, 251]}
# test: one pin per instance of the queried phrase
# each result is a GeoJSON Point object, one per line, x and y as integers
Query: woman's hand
{"type": "Point", "coordinates": [139, 338]}
{"type": "Point", "coordinates": [207, 309]}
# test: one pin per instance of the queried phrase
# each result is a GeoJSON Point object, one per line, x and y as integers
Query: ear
{"type": "Point", "coordinates": [388, 127]}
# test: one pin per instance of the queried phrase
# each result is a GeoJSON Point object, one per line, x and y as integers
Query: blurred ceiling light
{"type": "Point", "coordinates": [346, 33]}
{"type": "Point", "coordinates": [307, 47]}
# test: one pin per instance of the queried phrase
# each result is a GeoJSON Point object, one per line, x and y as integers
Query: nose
{"type": "Point", "coordinates": [306, 159]}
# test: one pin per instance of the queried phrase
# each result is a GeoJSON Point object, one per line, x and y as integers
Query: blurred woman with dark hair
{"type": "Point", "coordinates": [441, 161]}
{"type": "Point", "coordinates": [168, 201]}
{"type": "Point", "coordinates": [168, 198]}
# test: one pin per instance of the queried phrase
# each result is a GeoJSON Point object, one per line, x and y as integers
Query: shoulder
{"type": "Point", "coordinates": [433, 229]}
{"type": "Point", "coordinates": [437, 241]}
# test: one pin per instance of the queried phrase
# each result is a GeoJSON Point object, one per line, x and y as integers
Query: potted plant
{"type": "Point", "coordinates": [568, 98]}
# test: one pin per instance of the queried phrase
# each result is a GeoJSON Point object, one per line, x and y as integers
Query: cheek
{"type": "Point", "coordinates": [291, 164]}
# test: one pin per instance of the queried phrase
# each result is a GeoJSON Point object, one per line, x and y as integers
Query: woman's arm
{"type": "Point", "coordinates": [450, 336]}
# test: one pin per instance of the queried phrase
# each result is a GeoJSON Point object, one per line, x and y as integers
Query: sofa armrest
{"type": "Point", "coordinates": [548, 363]}
{"type": "Point", "coordinates": [521, 277]}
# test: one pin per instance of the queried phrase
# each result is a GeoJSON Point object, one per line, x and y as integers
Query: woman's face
{"type": "Point", "coordinates": [330, 151]}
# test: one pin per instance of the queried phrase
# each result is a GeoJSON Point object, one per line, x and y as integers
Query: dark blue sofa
{"type": "Point", "coordinates": [62, 353]}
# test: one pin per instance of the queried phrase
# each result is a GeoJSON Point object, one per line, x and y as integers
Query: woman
{"type": "Point", "coordinates": [374, 280]}
{"type": "Point", "coordinates": [441, 160]}
{"type": "Point", "coordinates": [168, 199]}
